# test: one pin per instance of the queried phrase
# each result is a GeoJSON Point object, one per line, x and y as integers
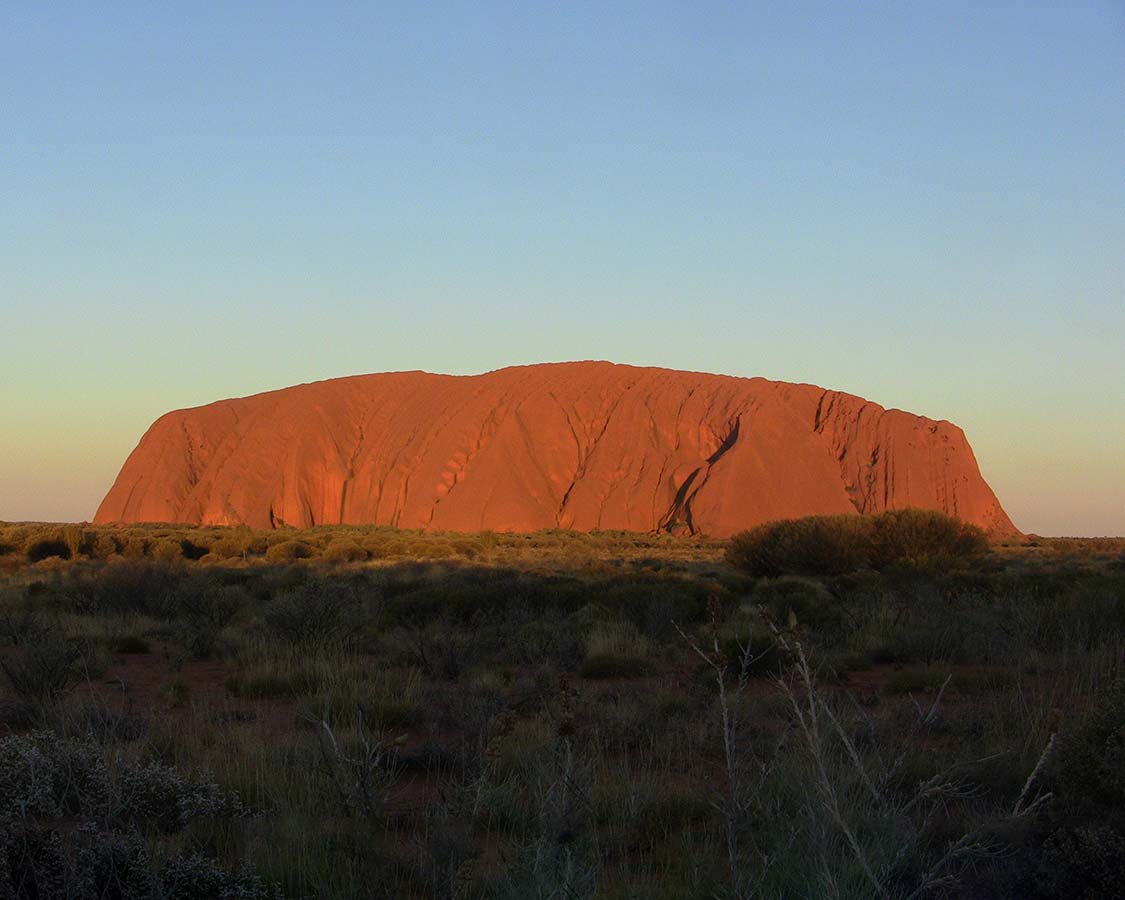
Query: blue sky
{"type": "Point", "coordinates": [919, 203]}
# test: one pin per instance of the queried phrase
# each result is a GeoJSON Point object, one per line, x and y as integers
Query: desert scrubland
{"type": "Point", "coordinates": [891, 707]}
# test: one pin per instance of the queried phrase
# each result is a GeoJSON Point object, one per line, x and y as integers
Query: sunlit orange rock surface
{"type": "Point", "coordinates": [587, 445]}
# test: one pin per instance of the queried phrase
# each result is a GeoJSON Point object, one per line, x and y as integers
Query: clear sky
{"type": "Point", "coordinates": [921, 203]}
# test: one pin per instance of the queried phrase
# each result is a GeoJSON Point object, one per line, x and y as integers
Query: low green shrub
{"type": "Point", "coordinates": [73, 826]}
{"type": "Point", "coordinates": [135, 547]}
{"type": "Point", "coordinates": [21, 624]}
{"type": "Point", "coordinates": [439, 649]}
{"type": "Point", "coordinates": [166, 550]}
{"type": "Point", "coordinates": [1091, 760]}
{"type": "Point", "coordinates": [42, 774]}
{"type": "Point", "coordinates": [228, 548]}
{"type": "Point", "coordinates": [45, 774]}
{"type": "Point", "coordinates": [195, 877]}
{"type": "Point", "coordinates": [288, 551]}
{"type": "Point", "coordinates": [653, 602]}
{"type": "Point", "coordinates": [99, 545]}
{"type": "Point", "coordinates": [814, 545]}
{"type": "Point", "coordinates": [44, 670]}
{"type": "Point", "coordinates": [556, 638]}
{"type": "Point", "coordinates": [922, 536]}
{"type": "Point", "coordinates": [204, 611]}
{"type": "Point", "coordinates": [319, 611]}
{"type": "Point", "coordinates": [343, 551]}
{"type": "Point", "coordinates": [124, 586]}
{"type": "Point", "coordinates": [257, 544]}
{"type": "Point", "coordinates": [836, 545]}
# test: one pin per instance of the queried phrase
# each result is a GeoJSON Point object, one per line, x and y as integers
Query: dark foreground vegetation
{"type": "Point", "coordinates": [874, 708]}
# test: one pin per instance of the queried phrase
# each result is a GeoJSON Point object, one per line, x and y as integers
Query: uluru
{"type": "Point", "coordinates": [587, 446]}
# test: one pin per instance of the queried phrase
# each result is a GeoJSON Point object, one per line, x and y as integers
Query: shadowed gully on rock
{"type": "Point", "coordinates": [587, 446]}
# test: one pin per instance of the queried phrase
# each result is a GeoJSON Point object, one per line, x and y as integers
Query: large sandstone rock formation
{"type": "Point", "coordinates": [573, 445]}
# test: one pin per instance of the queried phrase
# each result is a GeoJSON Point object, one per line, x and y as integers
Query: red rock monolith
{"type": "Point", "coordinates": [587, 445]}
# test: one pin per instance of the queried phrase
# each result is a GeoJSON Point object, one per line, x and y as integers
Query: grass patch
{"type": "Point", "coordinates": [616, 650]}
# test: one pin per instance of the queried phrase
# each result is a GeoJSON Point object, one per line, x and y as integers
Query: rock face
{"type": "Point", "coordinates": [571, 445]}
